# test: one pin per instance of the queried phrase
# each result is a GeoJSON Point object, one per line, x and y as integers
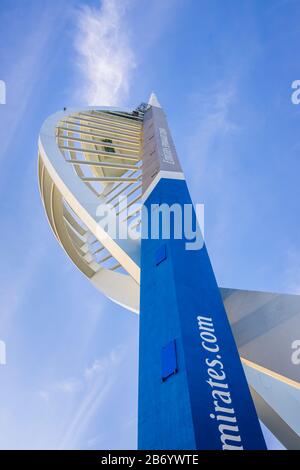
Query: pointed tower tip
{"type": "Point", "coordinates": [153, 101]}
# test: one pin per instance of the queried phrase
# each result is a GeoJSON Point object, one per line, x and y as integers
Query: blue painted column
{"type": "Point", "coordinates": [193, 392]}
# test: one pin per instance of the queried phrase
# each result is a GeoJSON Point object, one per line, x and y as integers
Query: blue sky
{"type": "Point", "coordinates": [223, 72]}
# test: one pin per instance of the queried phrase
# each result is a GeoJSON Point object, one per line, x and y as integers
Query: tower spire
{"type": "Point", "coordinates": [153, 101]}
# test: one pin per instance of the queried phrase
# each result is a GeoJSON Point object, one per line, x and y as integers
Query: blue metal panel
{"type": "Point", "coordinates": [168, 360]}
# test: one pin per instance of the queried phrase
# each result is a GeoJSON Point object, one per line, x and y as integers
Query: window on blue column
{"type": "Point", "coordinates": [168, 360]}
{"type": "Point", "coordinates": [160, 254]}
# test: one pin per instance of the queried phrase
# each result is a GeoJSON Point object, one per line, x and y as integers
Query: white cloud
{"type": "Point", "coordinates": [25, 69]}
{"type": "Point", "coordinates": [93, 442]}
{"type": "Point", "coordinates": [98, 380]}
{"type": "Point", "coordinates": [68, 385]}
{"type": "Point", "coordinates": [211, 160]}
{"type": "Point", "coordinates": [213, 128]}
{"type": "Point", "coordinates": [81, 398]}
{"type": "Point", "coordinates": [213, 121]}
{"type": "Point", "coordinates": [105, 57]}
{"type": "Point", "coordinates": [94, 369]}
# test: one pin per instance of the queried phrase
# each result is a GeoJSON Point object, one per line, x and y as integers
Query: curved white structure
{"type": "Point", "coordinates": [89, 159]}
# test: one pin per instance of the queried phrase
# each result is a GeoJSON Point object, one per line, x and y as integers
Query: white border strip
{"type": "Point", "coordinates": [175, 175]}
